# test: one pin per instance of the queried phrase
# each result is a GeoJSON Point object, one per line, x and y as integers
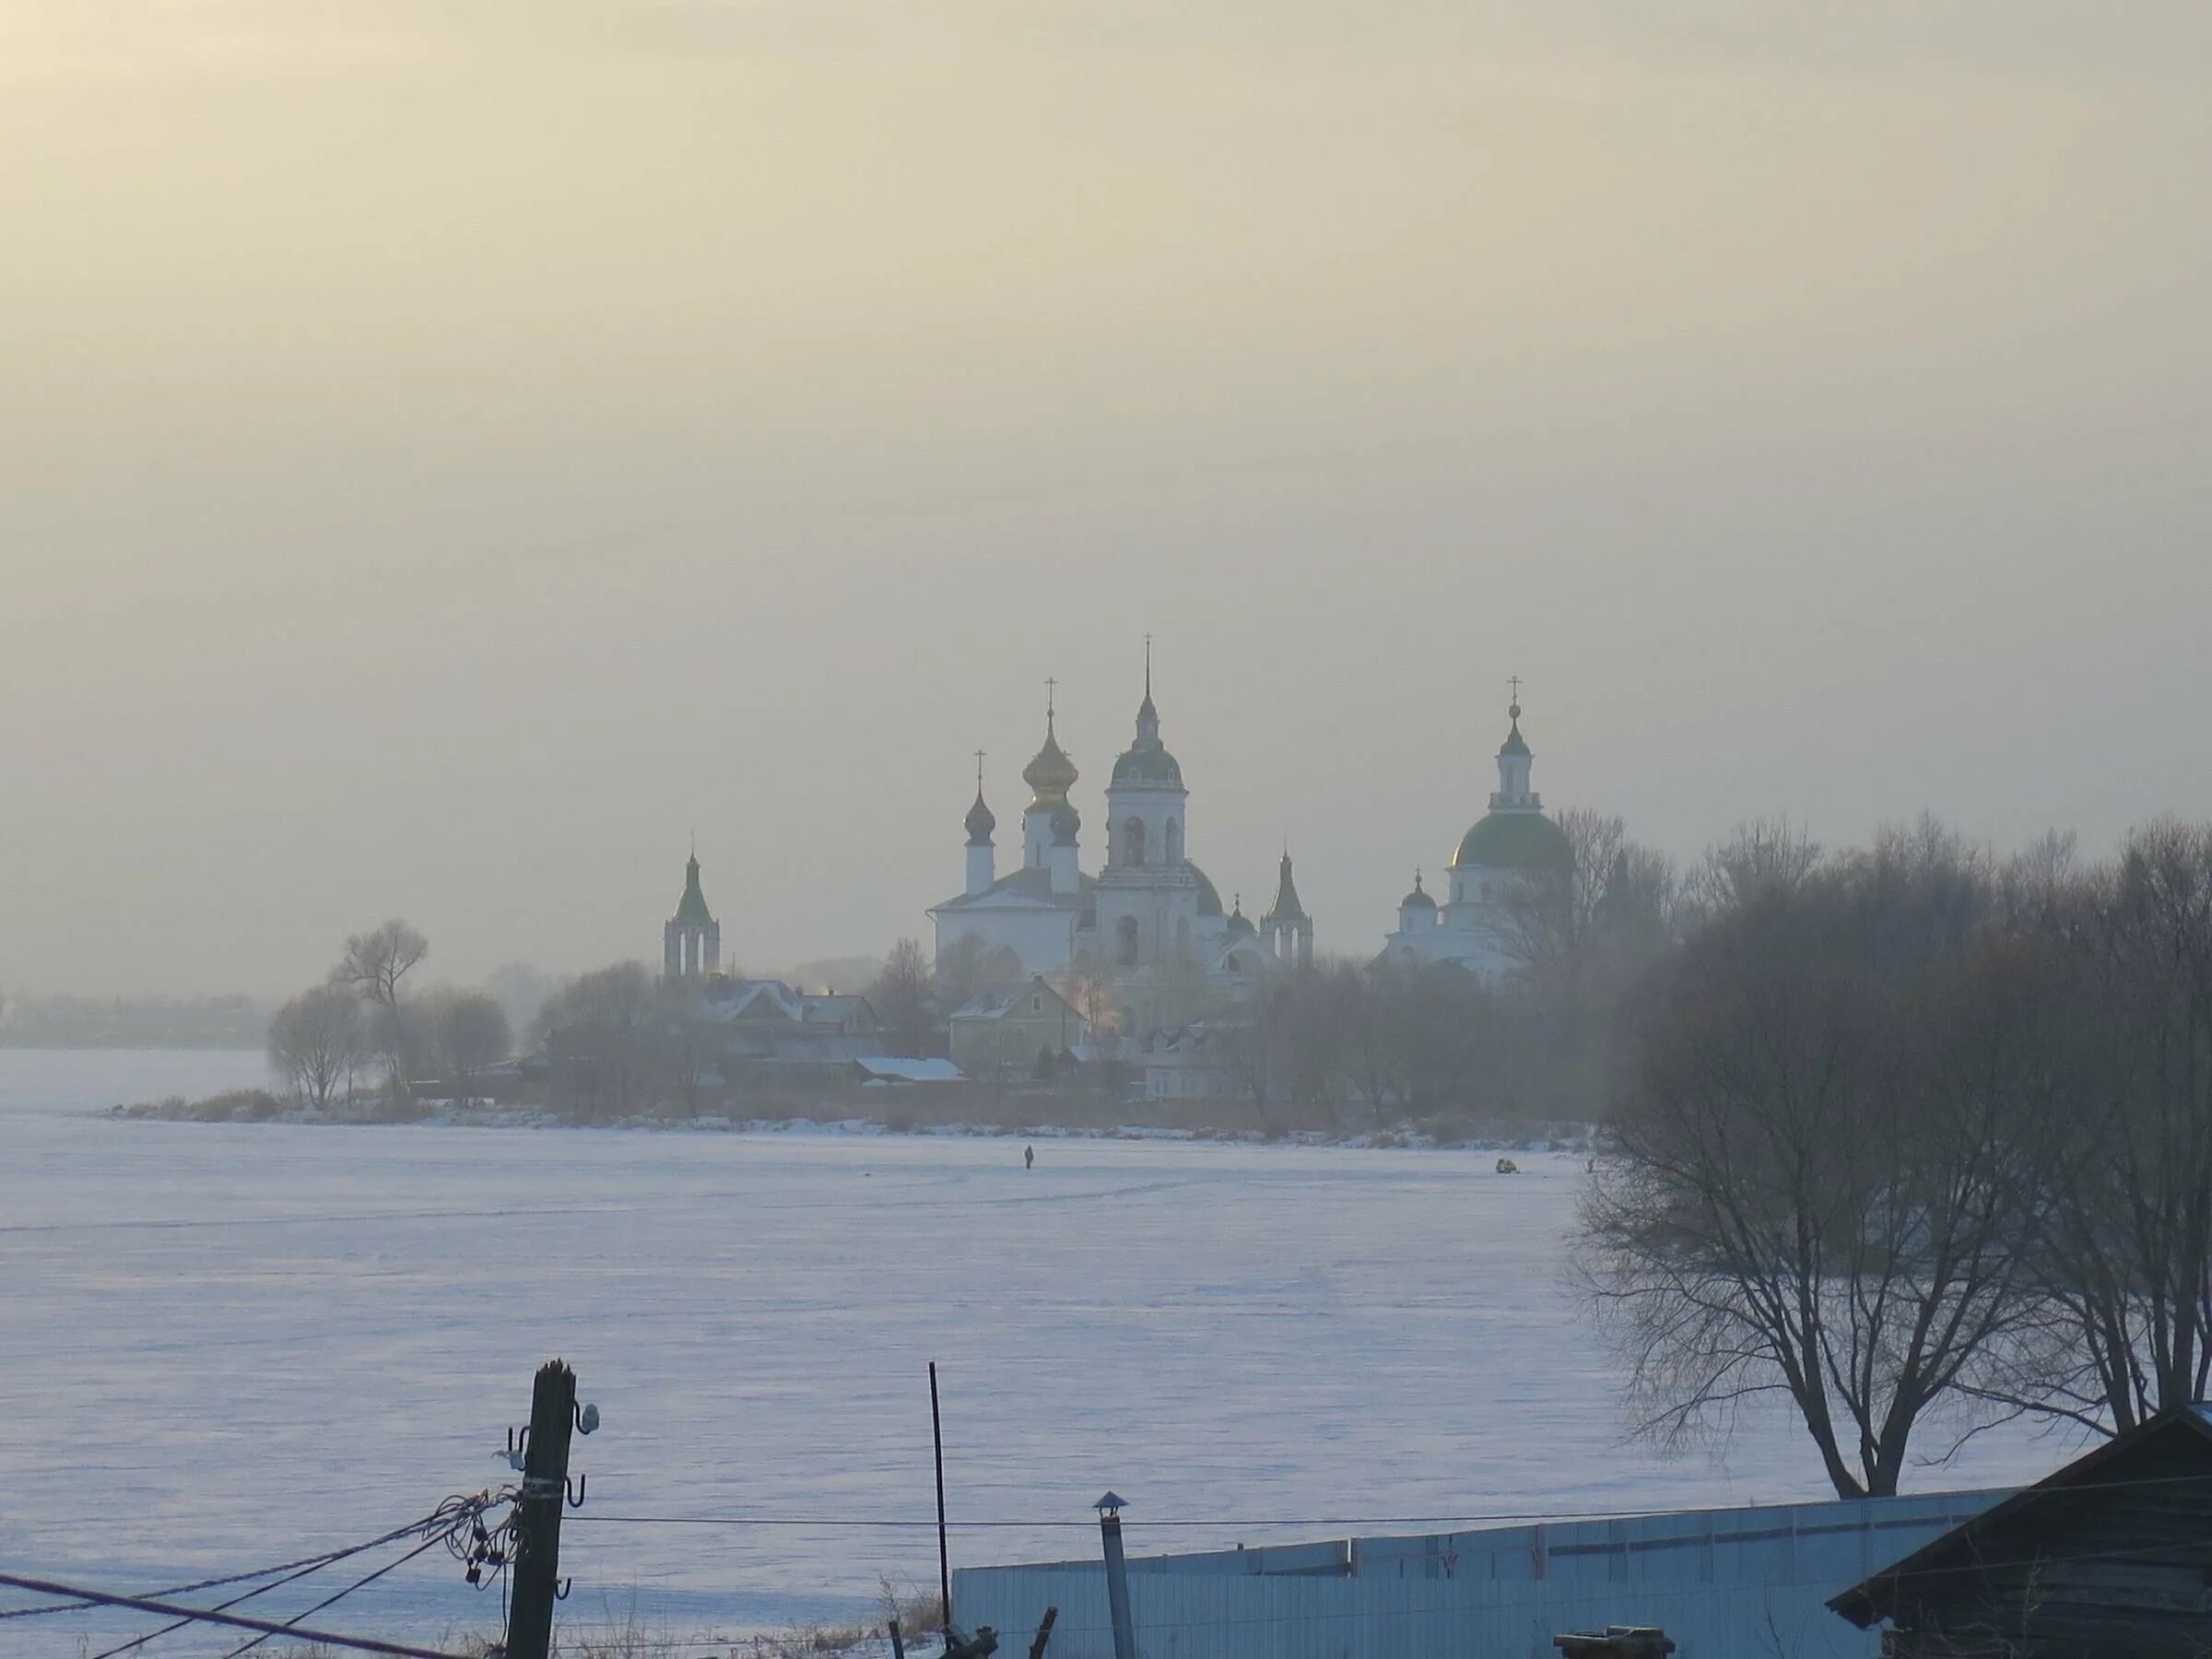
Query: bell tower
{"type": "Point", "coordinates": [691, 942]}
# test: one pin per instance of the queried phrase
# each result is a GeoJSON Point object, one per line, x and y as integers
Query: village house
{"type": "Point", "coordinates": [999, 1036]}
{"type": "Point", "coordinates": [2108, 1559]}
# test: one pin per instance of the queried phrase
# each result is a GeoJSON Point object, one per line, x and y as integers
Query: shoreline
{"type": "Point", "coordinates": [1544, 1137]}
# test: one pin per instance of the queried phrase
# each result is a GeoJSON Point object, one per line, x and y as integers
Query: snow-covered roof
{"type": "Point", "coordinates": [998, 1003]}
{"type": "Point", "coordinates": [898, 1069]}
{"type": "Point", "coordinates": [740, 998]}
{"type": "Point", "coordinates": [1026, 888]}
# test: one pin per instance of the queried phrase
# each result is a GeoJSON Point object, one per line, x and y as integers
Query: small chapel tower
{"type": "Point", "coordinates": [1286, 929]}
{"type": "Point", "coordinates": [692, 943]}
{"type": "Point", "coordinates": [983, 856]}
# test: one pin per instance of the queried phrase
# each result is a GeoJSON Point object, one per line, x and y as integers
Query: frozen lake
{"type": "Point", "coordinates": [225, 1346]}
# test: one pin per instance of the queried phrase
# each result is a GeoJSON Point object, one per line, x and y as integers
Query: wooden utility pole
{"type": "Point", "coordinates": [538, 1514]}
{"type": "Point", "coordinates": [936, 1435]}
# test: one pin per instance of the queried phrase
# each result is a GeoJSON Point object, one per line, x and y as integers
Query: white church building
{"type": "Point", "coordinates": [1149, 917]}
{"type": "Point", "coordinates": [1511, 847]}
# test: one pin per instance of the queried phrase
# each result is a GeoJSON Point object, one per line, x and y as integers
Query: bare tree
{"type": "Point", "coordinates": [1759, 854]}
{"type": "Point", "coordinates": [315, 1041]}
{"type": "Point", "coordinates": [2124, 1243]}
{"type": "Point", "coordinates": [374, 964]}
{"type": "Point", "coordinates": [462, 1033]}
{"type": "Point", "coordinates": [1819, 1172]}
{"type": "Point", "coordinates": [901, 997]}
{"type": "Point", "coordinates": [687, 1042]}
{"type": "Point", "coordinates": [596, 1033]}
{"type": "Point", "coordinates": [1548, 920]}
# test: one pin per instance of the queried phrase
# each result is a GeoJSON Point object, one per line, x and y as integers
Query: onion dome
{"type": "Point", "coordinates": [980, 822]}
{"type": "Point", "coordinates": [1240, 924]}
{"type": "Point", "coordinates": [1051, 774]}
{"type": "Point", "coordinates": [1417, 898]}
{"type": "Point", "coordinates": [1067, 822]}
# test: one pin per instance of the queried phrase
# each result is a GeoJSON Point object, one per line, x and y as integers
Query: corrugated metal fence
{"type": "Point", "coordinates": [1738, 1583]}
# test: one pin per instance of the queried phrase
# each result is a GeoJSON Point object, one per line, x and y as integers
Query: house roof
{"type": "Point", "coordinates": [1967, 1548]}
{"type": "Point", "coordinates": [741, 999]}
{"type": "Point", "coordinates": [1026, 888]}
{"type": "Point", "coordinates": [1009, 999]}
{"type": "Point", "coordinates": [896, 1068]}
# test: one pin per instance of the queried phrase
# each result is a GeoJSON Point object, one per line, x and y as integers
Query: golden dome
{"type": "Point", "coordinates": [1051, 774]}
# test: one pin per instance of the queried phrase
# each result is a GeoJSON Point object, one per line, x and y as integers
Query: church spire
{"type": "Point", "coordinates": [691, 942]}
{"type": "Point", "coordinates": [1285, 928]}
{"type": "Point", "coordinates": [1513, 759]}
{"type": "Point", "coordinates": [1147, 715]}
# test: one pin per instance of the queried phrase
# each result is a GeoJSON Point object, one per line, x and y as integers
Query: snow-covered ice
{"type": "Point", "coordinates": [226, 1345]}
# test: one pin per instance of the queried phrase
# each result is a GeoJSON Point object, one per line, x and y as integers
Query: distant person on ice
{"type": "Point", "coordinates": [1028, 1157]}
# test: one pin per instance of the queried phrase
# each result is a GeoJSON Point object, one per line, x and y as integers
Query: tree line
{"type": "Point", "coordinates": [365, 1029]}
{"type": "Point", "coordinates": [1362, 1044]}
{"type": "Point", "coordinates": [1917, 1140]}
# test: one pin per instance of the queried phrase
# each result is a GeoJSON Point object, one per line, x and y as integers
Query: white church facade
{"type": "Point", "coordinates": [1510, 851]}
{"type": "Point", "coordinates": [1149, 924]}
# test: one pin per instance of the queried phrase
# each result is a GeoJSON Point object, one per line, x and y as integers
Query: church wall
{"type": "Point", "coordinates": [1157, 908]}
{"type": "Point", "coordinates": [1043, 939]}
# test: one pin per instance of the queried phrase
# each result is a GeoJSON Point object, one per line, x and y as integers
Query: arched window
{"type": "Point", "coordinates": [1173, 850]}
{"type": "Point", "coordinates": [1125, 938]}
{"type": "Point", "coordinates": [1133, 841]}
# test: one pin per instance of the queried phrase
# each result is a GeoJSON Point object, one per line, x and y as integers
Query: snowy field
{"type": "Point", "coordinates": [224, 1345]}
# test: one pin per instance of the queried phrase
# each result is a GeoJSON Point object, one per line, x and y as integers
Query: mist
{"type": "Point", "coordinates": [448, 464]}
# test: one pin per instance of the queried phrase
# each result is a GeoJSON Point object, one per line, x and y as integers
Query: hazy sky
{"type": "Point", "coordinates": [449, 450]}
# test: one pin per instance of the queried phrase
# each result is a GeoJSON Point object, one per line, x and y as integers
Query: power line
{"type": "Point", "coordinates": [302, 1569]}
{"type": "Point", "coordinates": [428, 1543]}
{"type": "Point", "coordinates": [213, 1583]}
{"type": "Point", "coordinates": [1231, 1522]}
{"type": "Point", "coordinates": [899, 1524]}
{"type": "Point", "coordinates": [166, 1610]}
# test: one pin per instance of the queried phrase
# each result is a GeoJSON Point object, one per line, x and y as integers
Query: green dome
{"type": "Point", "coordinates": [1147, 765]}
{"type": "Point", "coordinates": [1209, 896]}
{"type": "Point", "coordinates": [1516, 841]}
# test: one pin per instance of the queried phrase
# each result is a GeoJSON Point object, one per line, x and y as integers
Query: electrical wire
{"type": "Point", "coordinates": [1231, 1522]}
{"type": "Point", "coordinates": [430, 1543]}
{"type": "Point", "coordinates": [141, 1603]}
{"type": "Point", "coordinates": [303, 1567]}
{"type": "Point", "coordinates": [216, 1583]}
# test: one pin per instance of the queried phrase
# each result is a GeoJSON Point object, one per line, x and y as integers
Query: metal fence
{"type": "Point", "coordinates": [1737, 1583]}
